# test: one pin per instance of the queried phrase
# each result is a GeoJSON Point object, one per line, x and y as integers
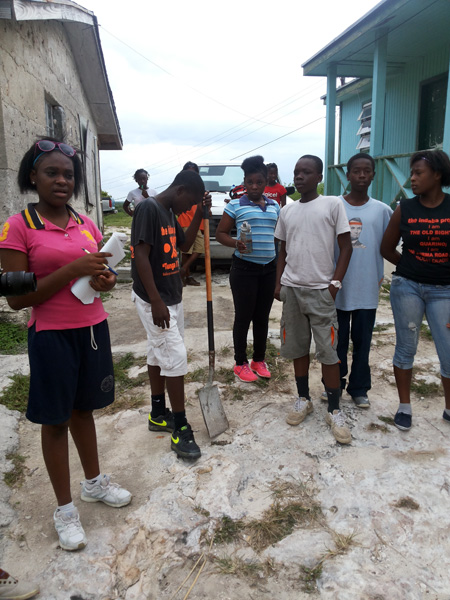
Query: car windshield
{"type": "Point", "coordinates": [221, 178]}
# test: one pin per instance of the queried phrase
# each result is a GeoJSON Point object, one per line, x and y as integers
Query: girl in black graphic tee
{"type": "Point", "coordinates": [421, 282]}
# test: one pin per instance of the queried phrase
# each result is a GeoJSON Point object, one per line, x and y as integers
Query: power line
{"type": "Point", "coordinates": [278, 138]}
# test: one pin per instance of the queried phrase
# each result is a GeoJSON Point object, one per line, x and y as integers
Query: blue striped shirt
{"type": "Point", "coordinates": [262, 221]}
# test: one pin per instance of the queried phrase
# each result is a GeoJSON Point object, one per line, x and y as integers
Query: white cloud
{"type": "Point", "coordinates": [245, 56]}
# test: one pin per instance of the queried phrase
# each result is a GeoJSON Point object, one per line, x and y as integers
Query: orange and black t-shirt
{"type": "Point", "coordinates": [156, 226]}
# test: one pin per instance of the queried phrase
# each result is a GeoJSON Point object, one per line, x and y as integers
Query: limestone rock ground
{"type": "Point", "coordinates": [380, 528]}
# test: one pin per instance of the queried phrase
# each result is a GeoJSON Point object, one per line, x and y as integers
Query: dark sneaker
{"type": "Point", "coordinates": [361, 401]}
{"type": "Point", "coordinates": [445, 416]}
{"type": "Point", "coordinates": [161, 423]}
{"type": "Point", "coordinates": [183, 443]}
{"type": "Point", "coordinates": [402, 421]}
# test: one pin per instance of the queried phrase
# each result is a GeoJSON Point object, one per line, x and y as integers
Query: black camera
{"type": "Point", "coordinates": [17, 283]}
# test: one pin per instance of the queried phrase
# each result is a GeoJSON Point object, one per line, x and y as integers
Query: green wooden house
{"type": "Point", "coordinates": [393, 96]}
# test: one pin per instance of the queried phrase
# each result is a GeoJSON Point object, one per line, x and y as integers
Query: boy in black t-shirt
{"type": "Point", "coordinates": [157, 292]}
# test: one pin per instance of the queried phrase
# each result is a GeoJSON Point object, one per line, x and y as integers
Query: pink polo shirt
{"type": "Point", "coordinates": [48, 248]}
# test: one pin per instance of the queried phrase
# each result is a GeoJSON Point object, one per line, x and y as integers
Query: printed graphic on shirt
{"type": "Point", "coordinates": [355, 231]}
{"type": "Point", "coordinates": [434, 248]}
{"type": "Point", "coordinates": [89, 235]}
{"type": "Point", "coordinates": [4, 234]}
{"type": "Point", "coordinates": [169, 245]}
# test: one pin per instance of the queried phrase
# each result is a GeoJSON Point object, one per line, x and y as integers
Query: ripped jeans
{"type": "Point", "coordinates": [410, 301]}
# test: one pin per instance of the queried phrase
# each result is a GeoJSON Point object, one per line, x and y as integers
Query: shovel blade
{"type": "Point", "coordinates": [213, 413]}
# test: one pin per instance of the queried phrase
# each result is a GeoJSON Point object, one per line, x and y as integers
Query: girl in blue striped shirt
{"type": "Point", "coordinates": [252, 275]}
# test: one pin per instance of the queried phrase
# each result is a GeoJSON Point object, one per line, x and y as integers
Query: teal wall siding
{"type": "Point", "coordinates": [401, 117]}
{"type": "Point", "coordinates": [402, 107]}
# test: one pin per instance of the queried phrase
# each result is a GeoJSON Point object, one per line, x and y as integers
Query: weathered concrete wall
{"type": "Point", "coordinates": [37, 64]}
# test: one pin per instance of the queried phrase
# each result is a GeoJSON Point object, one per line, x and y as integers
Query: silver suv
{"type": "Point", "coordinates": [219, 179]}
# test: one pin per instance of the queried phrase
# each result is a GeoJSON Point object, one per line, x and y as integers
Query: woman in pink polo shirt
{"type": "Point", "coordinates": [68, 341]}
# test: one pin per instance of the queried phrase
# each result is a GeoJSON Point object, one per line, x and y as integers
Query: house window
{"type": "Point", "coordinates": [364, 129]}
{"type": "Point", "coordinates": [433, 100]}
{"type": "Point", "coordinates": [55, 120]}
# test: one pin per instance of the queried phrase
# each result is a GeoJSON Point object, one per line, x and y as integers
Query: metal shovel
{"type": "Point", "coordinates": [213, 413]}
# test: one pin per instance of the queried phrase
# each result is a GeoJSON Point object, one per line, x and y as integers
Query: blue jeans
{"type": "Point", "coordinates": [410, 301]}
{"type": "Point", "coordinates": [357, 325]}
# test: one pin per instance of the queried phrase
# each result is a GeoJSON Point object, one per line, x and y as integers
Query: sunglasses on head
{"type": "Point", "coordinates": [49, 146]}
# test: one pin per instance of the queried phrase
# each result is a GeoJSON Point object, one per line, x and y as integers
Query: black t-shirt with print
{"type": "Point", "coordinates": [153, 224]}
{"type": "Point", "coordinates": [425, 234]}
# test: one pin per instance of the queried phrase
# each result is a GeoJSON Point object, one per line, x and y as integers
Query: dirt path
{"type": "Point", "coordinates": [375, 543]}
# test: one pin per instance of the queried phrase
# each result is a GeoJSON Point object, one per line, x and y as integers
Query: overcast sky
{"type": "Point", "coordinates": [213, 82]}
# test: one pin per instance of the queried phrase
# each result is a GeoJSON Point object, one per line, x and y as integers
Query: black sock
{"type": "Point", "coordinates": [303, 386]}
{"type": "Point", "coordinates": [179, 419]}
{"type": "Point", "coordinates": [158, 405]}
{"type": "Point", "coordinates": [333, 398]}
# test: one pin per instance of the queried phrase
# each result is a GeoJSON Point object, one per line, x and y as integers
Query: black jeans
{"type": "Point", "coordinates": [357, 325]}
{"type": "Point", "coordinates": [252, 286]}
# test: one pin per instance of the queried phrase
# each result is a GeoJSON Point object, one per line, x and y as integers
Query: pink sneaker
{"type": "Point", "coordinates": [244, 373]}
{"type": "Point", "coordinates": [260, 368]}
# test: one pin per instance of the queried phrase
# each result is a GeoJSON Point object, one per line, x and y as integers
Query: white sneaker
{"type": "Point", "coordinates": [338, 424]}
{"type": "Point", "coordinates": [70, 531]}
{"type": "Point", "coordinates": [105, 491]}
{"type": "Point", "coordinates": [302, 407]}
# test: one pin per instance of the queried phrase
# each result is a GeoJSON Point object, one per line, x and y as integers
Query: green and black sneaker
{"type": "Point", "coordinates": [183, 443]}
{"type": "Point", "coordinates": [161, 423]}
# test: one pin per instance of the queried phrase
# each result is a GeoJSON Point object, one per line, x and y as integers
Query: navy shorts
{"type": "Point", "coordinates": [67, 372]}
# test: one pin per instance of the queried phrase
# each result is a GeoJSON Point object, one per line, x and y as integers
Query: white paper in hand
{"type": "Point", "coordinates": [81, 288]}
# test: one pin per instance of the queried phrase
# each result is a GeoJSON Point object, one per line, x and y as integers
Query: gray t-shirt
{"type": "Point", "coordinates": [153, 224]}
{"type": "Point", "coordinates": [310, 230]}
{"type": "Point", "coordinates": [361, 284]}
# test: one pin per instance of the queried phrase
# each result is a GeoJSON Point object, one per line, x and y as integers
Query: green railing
{"type": "Point", "coordinates": [392, 181]}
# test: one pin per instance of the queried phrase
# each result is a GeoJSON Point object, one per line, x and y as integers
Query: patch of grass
{"type": "Point", "coordinates": [118, 219]}
{"type": "Point", "coordinates": [121, 366]}
{"type": "Point", "coordinates": [425, 389]}
{"type": "Point", "coordinates": [126, 397]}
{"type": "Point", "coordinates": [228, 565]}
{"type": "Point", "coordinates": [379, 328]}
{"type": "Point", "coordinates": [105, 295]}
{"type": "Point", "coordinates": [15, 396]}
{"type": "Point", "coordinates": [385, 288]}
{"type": "Point", "coordinates": [377, 427]}
{"type": "Point", "coordinates": [228, 530]}
{"type": "Point", "coordinates": [309, 577]}
{"type": "Point", "coordinates": [13, 337]}
{"type": "Point", "coordinates": [199, 375]}
{"type": "Point", "coordinates": [17, 473]}
{"type": "Point", "coordinates": [233, 394]}
{"type": "Point", "coordinates": [279, 521]}
{"type": "Point", "coordinates": [224, 375]}
{"type": "Point", "coordinates": [201, 511]}
{"type": "Point", "coordinates": [388, 420]}
{"type": "Point", "coordinates": [407, 502]}
{"type": "Point", "coordinates": [225, 351]}
{"type": "Point", "coordinates": [425, 332]}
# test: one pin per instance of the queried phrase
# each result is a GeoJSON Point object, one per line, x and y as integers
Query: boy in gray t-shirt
{"type": "Point", "coordinates": [357, 302]}
{"type": "Point", "coordinates": [307, 284]}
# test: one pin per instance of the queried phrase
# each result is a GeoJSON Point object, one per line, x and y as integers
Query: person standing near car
{"type": "Point", "coordinates": [274, 190]}
{"type": "Point", "coordinates": [253, 274]}
{"type": "Point", "coordinates": [189, 257]}
{"type": "Point", "coordinates": [142, 192]}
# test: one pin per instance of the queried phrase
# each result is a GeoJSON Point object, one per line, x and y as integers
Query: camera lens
{"type": "Point", "coordinates": [17, 283]}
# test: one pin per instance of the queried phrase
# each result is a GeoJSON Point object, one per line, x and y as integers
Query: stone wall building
{"type": "Point", "coordinates": [53, 81]}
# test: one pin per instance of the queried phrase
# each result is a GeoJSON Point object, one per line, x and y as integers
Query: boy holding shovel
{"type": "Point", "coordinates": [157, 293]}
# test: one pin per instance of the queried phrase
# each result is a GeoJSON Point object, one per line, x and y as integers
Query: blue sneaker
{"type": "Point", "coordinates": [402, 421]}
{"type": "Point", "coordinates": [445, 416]}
